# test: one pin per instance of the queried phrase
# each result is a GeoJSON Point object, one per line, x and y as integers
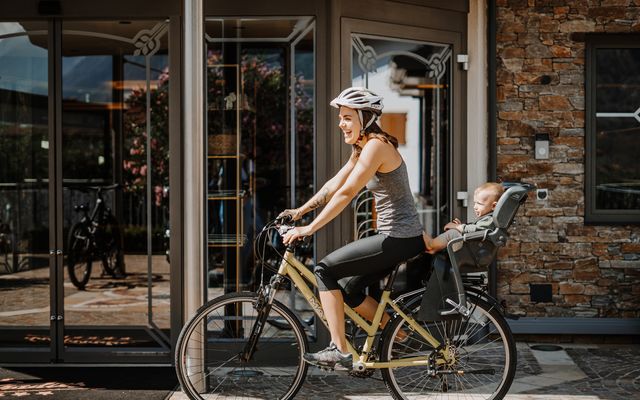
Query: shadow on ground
{"type": "Point", "coordinates": [100, 383]}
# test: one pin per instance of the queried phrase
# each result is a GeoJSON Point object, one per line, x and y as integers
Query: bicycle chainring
{"type": "Point", "coordinates": [367, 373]}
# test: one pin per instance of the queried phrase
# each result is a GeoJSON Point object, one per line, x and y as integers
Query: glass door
{"type": "Point", "coordinates": [115, 187]}
{"type": "Point", "coordinates": [84, 190]}
{"type": "Point", "coordinates": [26, 264]}
{"type": "Point", "coordinates": [414, 78]}
{"type": "Point", "coordinates": [261, 145]}
{"type": "Point", "coordinates": [413, 70]}
{"type": "Point", "coordinates": [260, 138]}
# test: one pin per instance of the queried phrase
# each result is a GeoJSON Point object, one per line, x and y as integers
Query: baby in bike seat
{"type": "Point", "coordinates": [485, 199]}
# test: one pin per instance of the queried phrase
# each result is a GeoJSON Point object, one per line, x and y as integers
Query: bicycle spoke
{"type": "Point", "coordinates": [217, 338]}
{"type": "Point", "coordinates": [474, 345]}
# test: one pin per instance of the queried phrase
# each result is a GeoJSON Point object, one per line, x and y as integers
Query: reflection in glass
{"type": "Point", "coordinates": [115, 156]}
{"type": "Point", "coordinates": [617, 129]}
{"type": "Point", "coordinates": [260, 137]}
{"type": "Point", "coordinates": [24, 195]}
{"type": "Point", "coordinates": [415, 80]}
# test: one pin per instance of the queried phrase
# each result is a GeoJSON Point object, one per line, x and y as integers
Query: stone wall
{"type": "Point", "coordinates": [594, 271]}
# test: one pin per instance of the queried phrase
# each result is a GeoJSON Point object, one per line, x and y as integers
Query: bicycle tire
{"type": "Point", "coordinates": [79, 257]}
{"type": "Point", "coordinates": [110, 246]}
{"type": "Point", "coordinates": [275, 371]}
{"type": "Point", "coordinates": [484, 350]}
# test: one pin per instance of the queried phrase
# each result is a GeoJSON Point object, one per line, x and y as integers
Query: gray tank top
{"type": "Point", "coordinates": [397, 215]}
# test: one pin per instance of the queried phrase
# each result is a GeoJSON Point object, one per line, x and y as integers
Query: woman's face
{"type": "Point", "coordinates": [349, 124]}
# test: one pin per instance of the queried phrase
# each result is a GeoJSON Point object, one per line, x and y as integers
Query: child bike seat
{"type": "Point", "coordinates": [472, 252]}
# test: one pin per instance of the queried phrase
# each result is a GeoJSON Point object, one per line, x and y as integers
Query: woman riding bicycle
{"type": "Point", "coordinates": [342, 275]}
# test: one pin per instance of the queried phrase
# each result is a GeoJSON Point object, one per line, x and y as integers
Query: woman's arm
{"type": "Point", "coordinates": [327, 191]}
{"type": "Point", "coordinates": [371, 157]}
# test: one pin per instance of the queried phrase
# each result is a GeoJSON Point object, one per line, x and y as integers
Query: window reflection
{"type": "Point", "coordinates": [414, 79]}
{"type": "Point", "coordinates": [617, 171]}
{"type": "Point", "coordinates": [260, 137]}
{"type": "Point", "coordinates": [24, 197]}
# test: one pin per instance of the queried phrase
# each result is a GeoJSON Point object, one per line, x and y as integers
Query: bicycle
{"type": "Point", "coordinates": [95, 237]}
{"type": "Point", "coordinates": [229, 348]}
{"type": "Point", "coordinates": [7, 248]}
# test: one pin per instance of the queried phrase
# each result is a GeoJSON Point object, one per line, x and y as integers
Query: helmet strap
{"type": "Point", "coordinates": [368, 124]}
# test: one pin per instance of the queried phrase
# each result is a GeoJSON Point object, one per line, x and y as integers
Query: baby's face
{"type": "Point", "coordinates": [483, 202]}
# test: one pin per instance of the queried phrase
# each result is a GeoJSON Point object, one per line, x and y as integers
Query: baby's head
{"type": "Point", "coordinates": [486, 197]}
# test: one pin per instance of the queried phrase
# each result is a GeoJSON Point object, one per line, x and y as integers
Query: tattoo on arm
{"type": "Point", "coordinates": [320, 199]}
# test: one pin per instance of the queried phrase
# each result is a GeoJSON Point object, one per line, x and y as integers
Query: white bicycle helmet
{"type": "Point", "coordinates": [360, 98]}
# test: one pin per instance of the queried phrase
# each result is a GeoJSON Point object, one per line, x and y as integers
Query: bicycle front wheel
{"type": "Point", "coordinates": [79, 255]}
{"type": "Point", "coordinates": [209, 351]}
{"type": "Point", "coordinates": [477, 360]}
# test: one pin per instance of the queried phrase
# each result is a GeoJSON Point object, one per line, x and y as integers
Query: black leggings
{"type": "Point", "coordinates": [359, 264]}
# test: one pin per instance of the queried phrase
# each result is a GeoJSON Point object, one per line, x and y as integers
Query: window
{"type": "Point", "coordinates": [612, 129]}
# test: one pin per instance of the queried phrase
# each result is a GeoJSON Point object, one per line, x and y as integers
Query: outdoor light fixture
{"type": "Point", "coordinates": [542, 146]}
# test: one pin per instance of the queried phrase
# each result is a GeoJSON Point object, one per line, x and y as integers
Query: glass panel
{"type": "Point", "coordinates": [415, 79]}
{"type": "Point", "coordinates": [617, 129]}
{"type": "Point", "coordinates": [115, 157]}
{"type": "Point", "coordinates": [251, 142]}
{"type": "Point", "coordinates": [24, 194]}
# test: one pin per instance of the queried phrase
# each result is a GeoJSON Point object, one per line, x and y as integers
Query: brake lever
{"type": "Point", "coordinates": [283, 229]}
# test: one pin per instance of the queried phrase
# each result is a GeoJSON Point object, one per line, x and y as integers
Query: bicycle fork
{"type": "Point", "coordinates": [266, 295]}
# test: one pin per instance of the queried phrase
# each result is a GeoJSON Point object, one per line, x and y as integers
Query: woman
{"type": "Point", "coordinates": [376, 163]}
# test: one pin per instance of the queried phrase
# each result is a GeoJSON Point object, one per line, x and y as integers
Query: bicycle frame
{"type": "Point", "coordinates": [298, 273]}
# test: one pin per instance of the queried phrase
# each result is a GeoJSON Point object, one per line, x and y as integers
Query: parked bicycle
{"type": "Point", "coordinates": [464, 349]}
{"type": "Point", "coordinates": [7, 248]}
{"type": "Point", "coordinates": [96, 237]}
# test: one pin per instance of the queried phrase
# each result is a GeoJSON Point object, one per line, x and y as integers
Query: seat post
{"type": "Point", "coordinates": [392, 278]}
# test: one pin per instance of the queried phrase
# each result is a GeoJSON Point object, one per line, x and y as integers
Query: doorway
{"type": "Point", "coordinates": [414, 70]}
{"type": "Point", "coordinates": [84, 143]}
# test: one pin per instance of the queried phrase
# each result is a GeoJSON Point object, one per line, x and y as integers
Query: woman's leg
{"type": "Point", "coordinates": [359, 262]}
{"type": "Point", "coordinates": [367, 309]}
{"type": "Point", "coordinates": [333, 307]}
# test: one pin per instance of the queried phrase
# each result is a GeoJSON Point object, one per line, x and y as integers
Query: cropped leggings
{"type": "Point", "coordinates": [357, 265]}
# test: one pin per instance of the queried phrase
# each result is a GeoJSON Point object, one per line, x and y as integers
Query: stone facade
{"type": "Point", "coordinates": [593, 270]}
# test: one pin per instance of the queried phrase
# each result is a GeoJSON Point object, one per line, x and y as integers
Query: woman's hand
{"type": "Point", "coordinates": [295, 214]}
{"type": "Point", "coordinates": [297, 233]}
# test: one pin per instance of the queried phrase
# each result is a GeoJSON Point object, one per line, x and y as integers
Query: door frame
{"type": "Point", "coordinates": [101, 355]}
{"type": "Point", "coordinates": [458, 147]}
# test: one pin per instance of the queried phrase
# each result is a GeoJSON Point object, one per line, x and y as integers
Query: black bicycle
{"type": "Point", "coordinates": [96, 236]}
{"type": "Point", "coordinates": [7, 248]}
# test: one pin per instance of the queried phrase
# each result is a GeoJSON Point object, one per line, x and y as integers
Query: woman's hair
{"type": "Point", "coordinates": [374, 131]}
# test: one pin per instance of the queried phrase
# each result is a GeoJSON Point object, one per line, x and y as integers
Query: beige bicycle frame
{"type": "Point", "coordinates": [298, 273]}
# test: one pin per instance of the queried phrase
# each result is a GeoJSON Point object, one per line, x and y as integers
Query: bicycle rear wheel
{"type": "Point", "coordinates": [79, 257]}
{"type": "Point", "coordinates": [208, 352]}
{"type": "Point", "coordinates": [482, 357]}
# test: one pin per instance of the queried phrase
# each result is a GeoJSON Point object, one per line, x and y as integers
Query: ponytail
{"type": "Point", "coordinates": [373, 131]}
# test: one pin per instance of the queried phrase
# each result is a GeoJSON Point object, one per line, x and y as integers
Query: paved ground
{"type": "Point", "coordinates": [577, 372]}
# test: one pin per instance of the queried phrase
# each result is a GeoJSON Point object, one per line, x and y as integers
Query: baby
{"type": "Point", "coordinates": [485, 198]}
